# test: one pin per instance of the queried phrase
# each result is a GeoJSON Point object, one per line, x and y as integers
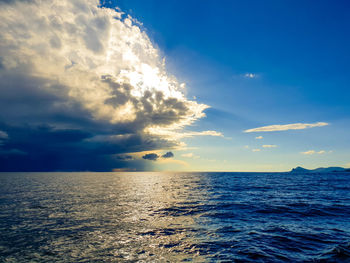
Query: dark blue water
{"type": "Point", "coordinates": [171, 217]}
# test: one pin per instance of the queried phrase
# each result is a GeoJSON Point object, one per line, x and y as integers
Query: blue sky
{"type": "Point", "coordinates": [92, 80]}
{"type": "Point", "coordinates": [298, 54]}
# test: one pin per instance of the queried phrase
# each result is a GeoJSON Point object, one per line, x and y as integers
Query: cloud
{"type": "Point", "coordinates": [311, 152]}
{"type": "Point", "coordinates": [151, 156]}
{"type": "Point", "coordinates": [269, 146]}
{"type": "Point", "coordinates": [190, 155]}
{"type": "Point", "coordinates": [176, 135]}
{"type": "Point", "coordinates": [250, 75]}
{"type": "Point", "coordinates": [294, 126]}
{"type": "Point", "coordinates": [124, 157]}
{"type": "Point", "coordinates": [3, 135]}
{"type": "Point", "coordinates": [256, 150]}
{"type": "Point", "coordinates": [168, 155]}
{"type": "Point", "coordinates": [94, 78]}
{"type": "Point", "coordinates": [47, 148]}
{"type": "Point", "coordinates": [155, 156]}
{"type": "Point", "coordinates": [259, 137]}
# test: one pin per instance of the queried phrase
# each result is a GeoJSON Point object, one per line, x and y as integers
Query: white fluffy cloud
{"type": "Point", "coordinates": [97, 58]}
{"type": "Point", "coordinates": [85, 85]}
{"type": "Point", "coordinates": [294, 126]}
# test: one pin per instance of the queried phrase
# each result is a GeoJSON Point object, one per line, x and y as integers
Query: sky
{"type": "Point", "coordinates": [174, 85]}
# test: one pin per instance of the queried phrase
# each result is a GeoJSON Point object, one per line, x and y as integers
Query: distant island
{"type": "Point", "coordinates": [320, 170]}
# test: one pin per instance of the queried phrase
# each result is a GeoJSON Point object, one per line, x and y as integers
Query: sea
{"type": "Point", "coordinates": [174, 217]}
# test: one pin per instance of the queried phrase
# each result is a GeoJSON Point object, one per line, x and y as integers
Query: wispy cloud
{"type": "Point", "coordinates": [311, 152]}
{"type": "Point", "coordinates": [176, 135]}
{"type": "Point", "coordinates": [250, 75]}
{"type": "Point", "coordinates": [259, 137]}
{"type": "Point", "coordinates": [190, 155]}
{"type": "Point", "coordinates": [285, 127]}
{"type": "Point", "coordinates": [256, 150]}
{"type": "Point", "coordinates": [269, 146]}
{"type": "Point", "coordinates": [202, 133]}
{"type": "Point", "coordinates": [3, 135]}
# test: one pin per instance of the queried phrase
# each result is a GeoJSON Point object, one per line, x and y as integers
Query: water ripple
{"type": "Point", "coordinates": [174, 217]}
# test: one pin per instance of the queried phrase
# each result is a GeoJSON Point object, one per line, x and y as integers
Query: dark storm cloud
{"type": "Point", "coordinates": [44, 130]}
{"type": "Point", "coordinates": [151, 156]}
{"type": "Point", "coordinates": [45, 148]}
{"type": "Point", "coordinates": [124, 157]}
{"type": "Point", "coordinates": [155, 157]}
{"type": "Point", "coordinates": [82, 89]}
{"type": "Point", "coordinates": [168, 155]}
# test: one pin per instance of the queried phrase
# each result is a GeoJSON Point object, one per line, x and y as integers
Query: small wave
{"type": "Point", "coordinates": [202, 217]}
{"type": "Point", "coordinates": [339, 253]}
{"type": "Point", "coordinates": [184, 210]}
{"type": "Point", "coordinates": [300, 209]}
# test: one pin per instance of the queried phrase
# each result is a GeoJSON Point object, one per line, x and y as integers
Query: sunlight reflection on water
{"type": "Point", "coordinates": [173, 217]}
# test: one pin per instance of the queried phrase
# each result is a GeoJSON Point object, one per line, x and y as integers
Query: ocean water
{"type": "Point", "coordinates": [174, 217]}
